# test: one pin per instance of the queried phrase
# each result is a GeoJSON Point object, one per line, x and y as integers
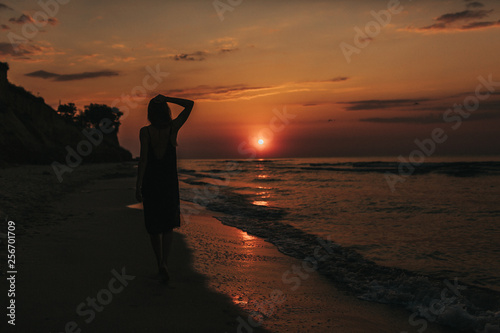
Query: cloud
{"type": "Point", "coordinates": [464, 16]}
{"type": "Point", "coordinates": [219, 46]}
{"type": "Point", "coordinates": [71, 77]}
{"type": "Point", "coordinates": [429, 119]}
{"type": "Point", "coordinates": [244, 91]}
{"type": "Point", "coordinates": [8, 49]}
{"type": "Point", "coordinates": [227, 50]}
{"type": "Point", "coordinates": [124, 59]}
{"type": "Point", "coordinates": [472, 93]}
{"type": "Point", "coordinates": [5, 7]}
{"type": "Point", "coordinates": [19, 50]}
{"type": "Point", "coordinates": [486, 110]}
{"type": "Point", "coordinates": [480, 25]}
{"type": "Point", "coordinates": [28, 52]}
{"type": "Point", "coordinates": [225, 44]}
{"type": "Point", "coordinates": [461, 21]}
{"type": "Point", "coordinates": [53, 21]}
{"type": "Point", "coordinates": [207, 92]}
{"type": "Point", "coordinates": [24, 18]}
{"type": "Point", "coordinates": [5, 27]}
{"type": "Point", "coordinates": [199, 55]}
{"type": "Point", "coordinates": [338, 79]}
{"type": "Point", "coordinates": [375, 104]}
{"type": "Point", "coordinates": [335, 79]}
{"type": "Point", "coordinates": [195, 56]}
{"type": "Point", "coordinates": [435, 26]}
{"type": "Point", "coordinates": [474, 4]}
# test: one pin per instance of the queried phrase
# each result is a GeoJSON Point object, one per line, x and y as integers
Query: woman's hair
{"type": "Point", "coordinates": [159, 114]}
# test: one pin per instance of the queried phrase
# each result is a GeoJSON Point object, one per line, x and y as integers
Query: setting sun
{"type": "Point", "coordinates": [261, 142]}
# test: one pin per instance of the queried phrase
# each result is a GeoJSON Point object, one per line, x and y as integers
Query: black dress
{"type": "Point", "coordinates": [160, 190]}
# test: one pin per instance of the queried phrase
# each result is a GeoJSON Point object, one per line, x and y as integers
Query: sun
{"type": "Point", "coordinates": [260, 142]}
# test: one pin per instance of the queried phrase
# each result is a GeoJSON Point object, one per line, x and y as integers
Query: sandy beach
{"type": "Point", "coordinates": [85, 264]}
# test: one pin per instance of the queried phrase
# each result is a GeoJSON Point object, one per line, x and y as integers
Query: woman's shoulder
{"type": "Point", "coordinates": [143, 131]}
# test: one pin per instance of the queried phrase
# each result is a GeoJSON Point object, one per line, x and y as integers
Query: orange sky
{"type": "Point", "coordinates": [246, 63]}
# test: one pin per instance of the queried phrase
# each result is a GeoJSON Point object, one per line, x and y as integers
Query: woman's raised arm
{"type": "Point", "coordinates": [186, 103]}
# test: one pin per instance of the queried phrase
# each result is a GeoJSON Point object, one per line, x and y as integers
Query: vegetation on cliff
{"type": "Point", "coordinates": [33, 132]}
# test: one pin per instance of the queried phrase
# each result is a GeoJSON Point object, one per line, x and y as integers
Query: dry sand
{"type": "Point", "coordinates": [89, 245]}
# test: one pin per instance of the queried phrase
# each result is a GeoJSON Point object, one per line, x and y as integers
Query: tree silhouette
{"type": "Point", "coordinates": [67, 111]}
{"type": "Point", "coordinates": [91, 116]}
{"type": "Point", "coordinates": [95, 113]}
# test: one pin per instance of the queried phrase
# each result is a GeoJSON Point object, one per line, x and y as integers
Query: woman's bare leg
{"type": "Point", "coordinates": [167, 244]}
{"type": "Point", "coordinates": [156, 242]}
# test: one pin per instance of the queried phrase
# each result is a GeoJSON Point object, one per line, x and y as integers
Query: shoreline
{"type": "Point", "coordinates": [221, 270]}
{"type": "Point", "coordinates": [282, 291]}
{"type": "Point", "coordinates": [94, 270]}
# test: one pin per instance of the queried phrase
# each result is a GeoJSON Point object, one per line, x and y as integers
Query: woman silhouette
{"type": "Point", "coordinates": [157, 182]}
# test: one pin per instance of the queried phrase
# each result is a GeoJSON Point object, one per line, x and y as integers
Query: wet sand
{"type": "Point", "coordinates": [91, 268]}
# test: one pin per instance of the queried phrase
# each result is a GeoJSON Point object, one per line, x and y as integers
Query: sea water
{"type": "Point", "coordinates": [439, 222]}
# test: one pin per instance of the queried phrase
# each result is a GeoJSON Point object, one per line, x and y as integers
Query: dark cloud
{"type": "Point", "coordinates": [5, 27]}
{"type": "Point", "coordinates": [195, 56]}
{"type": "Point", "coordinates": [376, 104]}
{"type": "Point", "coordinates": [473, 93]}
{"type": "Point", "coordinates": [6, 49]}
{"type": "Point", "coordinates": [218, 47]}
{"type": "Point", "coordinates": [429, 119]}
{"type": "Point", "coordinates": [53, 21]}
{"type": "Point", "coordinates": [338, 79]}
{"type": "Point", "coordinates": [71, 77]}
{"type": "Point", "coordinates": [227, 50]}
{"type": "Point", "coordinates": [474, 4]}
{"type": "Point", "coordinates": [479, 25]}
{"type": "Point", "coordinates": [22, 19]}
{"type": "Point", "coordinates": [486, 110]}
{"type": "Point", "coordinates": [28, 19]}
{"type": "Point", "coordinates": [5, 7]}
{"type": "Point", "coordinates": [335, 79]}
{"type": "Point", "coordinates": [43, 74]}
{"type": "Point", "coordinates": [464, 15]}
{"type": "Point", "coordinates": [461, 20]}
{"type": "Point", "coordinates": [201, 55]}
{"type": "Point", "coordinates": [435, 26]}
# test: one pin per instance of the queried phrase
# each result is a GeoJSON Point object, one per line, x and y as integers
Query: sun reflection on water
{"type": "Point", "coordinates": [260, 203]}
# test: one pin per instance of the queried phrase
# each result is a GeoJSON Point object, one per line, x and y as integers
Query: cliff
{"type": "Point", "coordinates": [32, 131]}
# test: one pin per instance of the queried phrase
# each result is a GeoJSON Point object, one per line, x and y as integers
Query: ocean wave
{"type": "Point", "coordinates": [221, 199]}
{"type": "Point", "coordinates": [456, 169]}
{"type": "Point", "coordinates": [266, 180]}
{"type": "Point", "coordinates": [252, 161]}
{"type": "Point", "coordinates": [196, 175]}
{"type": "Point", "coordinates": [463, 307]}
{"type": "Point", "coordinates": [473, 309]}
